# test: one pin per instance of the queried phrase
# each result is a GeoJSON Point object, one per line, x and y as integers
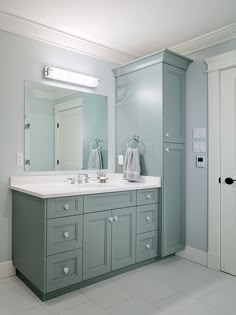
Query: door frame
{"type": "Point", "coordinates": [214, 67]}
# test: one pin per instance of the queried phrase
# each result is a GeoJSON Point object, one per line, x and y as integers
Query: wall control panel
{"type": "Point", "coordinates": [201, 161]}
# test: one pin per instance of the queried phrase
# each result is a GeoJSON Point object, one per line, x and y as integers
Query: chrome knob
{"type": "Point", "coordinates": [167, 149]}
{"type": "Point", "coordinates": [66, 270]}
{"type": "Point", "coordinates": [66, 234]}
{"type": "Point", "coordinates": [148, 197]}
{"type": "Point", "coordinates": [148, 246]}
{"type": "Point", "coordinates": [116, 218]}
{"type": "Point", "coordinates": [67, 206]}
{"type": "Point", "coordinates": [167, 134]}
{"type": "Point", "coordinates": [111, 219]}
{"type": "Point", "coordinates": [148, 219]}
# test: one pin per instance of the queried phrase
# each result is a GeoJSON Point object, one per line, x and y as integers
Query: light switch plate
{"type": "Point", "coordinates": [120, 159]}
{"type": "Point", "coordinates": [195, 147]}
{"type": "Point", "coordinates": [199, 133]}
{"type": "Point", "coordinates": [19, 159]}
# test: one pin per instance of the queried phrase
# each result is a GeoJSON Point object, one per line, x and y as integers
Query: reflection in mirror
{"type": "Point", "coordinates": [64, 129]}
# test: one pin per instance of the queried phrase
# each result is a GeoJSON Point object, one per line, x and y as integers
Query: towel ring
{"type": "Point", "coordinates": [97, 142]}
{"type": "Point", "coordinates": [134, 141]}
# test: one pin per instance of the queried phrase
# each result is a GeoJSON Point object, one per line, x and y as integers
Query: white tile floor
{"type": "Point", "coordinates": [173, 286]}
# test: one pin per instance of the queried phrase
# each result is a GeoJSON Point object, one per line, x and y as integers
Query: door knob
{"type": "Point", "coordinates": [229, 181]}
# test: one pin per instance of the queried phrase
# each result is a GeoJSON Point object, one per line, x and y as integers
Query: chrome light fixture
{"type": "Point", "coordinates": [70, 77]}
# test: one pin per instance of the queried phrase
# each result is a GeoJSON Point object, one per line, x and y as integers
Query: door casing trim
{"type": "Point", "coordinates": [215, 65]}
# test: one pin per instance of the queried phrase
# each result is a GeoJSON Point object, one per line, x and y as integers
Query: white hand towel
{"type": "Point", "coordinates": [95, 160]}
{"type": "Point", "coordinates": [132, 164]}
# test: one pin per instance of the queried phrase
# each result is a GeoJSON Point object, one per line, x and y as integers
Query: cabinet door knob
{"type": "Point", "coordinates": [167, 149]}
{"type": "Point", "coordinates": [148, 197]}
{"type": "Point", "coordinates": [66, 234]}
{"type": "Point", "coordinates": [115, 218]}
{"type": "Point", "coordinates": [148, 219]}
{"type": "Point", "coordinates": [67, 206]}
{"type": "Point", "coordinates": [111, 219]}
{"type": "Point", "coordinates": [167, 134]}
{"type": "Point", "coordinates": [66, 270]}
{"type": "Point", "coordinates": [148, 246]}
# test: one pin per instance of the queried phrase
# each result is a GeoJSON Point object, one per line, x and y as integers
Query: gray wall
{"type": "Point", "coordinates": [196, 179]}
{"type": "Point", "coordinates": [23, 59]}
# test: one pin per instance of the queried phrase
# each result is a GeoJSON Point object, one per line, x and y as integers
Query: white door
{"type": "Point", "coordinates": [69, 139]}
{"type": "Point", "coordinates": [228, 170]}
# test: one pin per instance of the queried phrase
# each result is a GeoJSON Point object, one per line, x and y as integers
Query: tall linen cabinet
{"type": "Point", "coordinates": [150, 103]}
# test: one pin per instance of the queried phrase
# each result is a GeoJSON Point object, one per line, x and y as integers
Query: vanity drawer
{"type": "Point", "coordinates": [64, 234]}
{"type": "Point", "coordinates": [146, 246]}
{"type": "Point", "coordinates": [147, 218]}
{"type": "Point", "coordinates": [108, 201]}
{"type": "Point", "coordinates": [64, 269]}
{"type": "Point", "coordinates": [62, 207]}
{"type": "Point", "coordinates": [147, 196]}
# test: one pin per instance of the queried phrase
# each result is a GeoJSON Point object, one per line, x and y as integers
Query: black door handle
{"type": "Point", "coordinates": [229, 181]}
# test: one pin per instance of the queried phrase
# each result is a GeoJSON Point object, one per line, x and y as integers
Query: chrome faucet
{"type": "Point", "coordinates": [83, 178]}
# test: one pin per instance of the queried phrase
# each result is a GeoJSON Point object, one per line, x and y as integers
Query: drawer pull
{"type": "Point", "coordinates": [66, 234]}
{"type": "Point", "coordinates": [67, 206]}
{"type": "Point", "coordinates": [167, 134]}
{"type": "Point", "coordinates": [115, 218]}
{"type": "Point", "coordinates": [111, 219]}
{"type": "Point", "coordinates": [148, 197]}
{"type": "Point", "coordinates": [148, 219]}
{"type": "Point", "coordinates": [66, 270]}
{"type": "Point", "coordinates": [148, 246]}
{"type": "Point", "coordinates": [167, 149]}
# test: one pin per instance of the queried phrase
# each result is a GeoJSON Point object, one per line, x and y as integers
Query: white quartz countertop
{"type": "Point", "coordinates": [57, 186]}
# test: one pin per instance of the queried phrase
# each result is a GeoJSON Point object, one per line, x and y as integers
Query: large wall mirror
{"type": "Point", "coordinates": [64, 129]}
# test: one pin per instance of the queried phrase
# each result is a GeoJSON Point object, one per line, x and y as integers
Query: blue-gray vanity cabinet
{"type": "Point", "coordinates": [54, 255]}
{"type": "Point", "coordinates": [173, 215]}
{"type": "Point", "coordinates": [150, 103]}
{"type": "Point", "coordinates": [97, 244]}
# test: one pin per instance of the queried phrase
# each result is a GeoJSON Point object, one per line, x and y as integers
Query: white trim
{"type": "Point", "coordinates": [7, 269]}
{"type": "Point", "coordinates": [194, 255]}
{"type": "Point", "coordinates": [216, 37]}
{"type": "Point", "coordinates": [215, 66]}
{"type": "Point", "coordinates": [24, 27]}
{"type": "Point", "coordinates": [28, 28]}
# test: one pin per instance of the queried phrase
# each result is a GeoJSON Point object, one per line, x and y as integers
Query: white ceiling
{"type": "Point", "coordinates": [135, 27]}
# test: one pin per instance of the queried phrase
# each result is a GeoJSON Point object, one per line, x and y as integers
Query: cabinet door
{"type": "Point", "coordinates": [174, 104]}
{"type": "Point", "coordinates": [173, 215]}
{"type": "Point", "coordinates": [97, 244]}
{"type": "Point", "coordinates": [123, 237]}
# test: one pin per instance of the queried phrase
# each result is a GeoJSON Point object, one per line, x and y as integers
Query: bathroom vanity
{"type": "Point", "coordinates": [68, 236]}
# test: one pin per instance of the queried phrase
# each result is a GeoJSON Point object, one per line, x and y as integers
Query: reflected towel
{"type": "Point", "coordinates": [132, 164]}
{"type": "Point", "coordinates": [95, 160]}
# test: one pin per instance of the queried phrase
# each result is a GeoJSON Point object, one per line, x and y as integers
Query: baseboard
{"type": "Point", "coordinates": [194, 255]}
{"type": "Point", "coordinates": [213, 261]}
{"type": "Point", "coordinates": [7, 269]}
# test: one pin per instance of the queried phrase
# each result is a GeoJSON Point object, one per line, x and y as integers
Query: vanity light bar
{"type": "Point", "coordinates": [70, 77]}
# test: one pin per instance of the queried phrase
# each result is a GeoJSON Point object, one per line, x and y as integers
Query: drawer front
{"type": "Point", "coordinates": [147, 196]}
{"type": "Point", "coordinates": [64, 269]}
{"type": "Point", "coordinates": [147, 218]}
{"type": "Point", "coordinates": [64, 234]}
{"type": "Point", "coordinates": [108, 201]}
{"type": "Point", "coordinates": [146, 246]}
{"type": "Point", "coordinates": [63, 207]}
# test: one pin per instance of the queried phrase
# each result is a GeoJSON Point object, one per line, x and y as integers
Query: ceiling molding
{"type": "Point", "coordinates": [24, 27]}
{"type": "Point", "coordinates": [216, 37]}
